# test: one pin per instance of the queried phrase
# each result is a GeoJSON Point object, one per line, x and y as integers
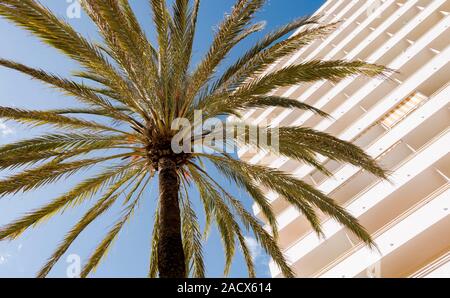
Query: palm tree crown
{"type": "Point", "coordinates": [143, 89]}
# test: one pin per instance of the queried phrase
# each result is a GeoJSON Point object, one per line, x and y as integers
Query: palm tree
{"type": "Point", "coordinates": [132, 91]}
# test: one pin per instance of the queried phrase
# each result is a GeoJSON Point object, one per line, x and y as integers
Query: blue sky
{"type": "Point", "coordinates": [130, 254]}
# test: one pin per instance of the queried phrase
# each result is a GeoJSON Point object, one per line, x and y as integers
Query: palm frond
{"type": "Point", "coordinates": [179, 34]}
{"type": "Point", "coordinates": [37, 118]}
{"type": "Point", "coordinates": [234, 105]}
{"type": "Point", "coordinates": [305, 144]}
{"type": "Point", "coordinates": [294, 138]}
{"type": "Point", "coordinates": [153, 267]}
{"type": "Point", "coordinates": [67, 142]}
{"type": "Point", "coordinates": [282, 102]}
{"type": "Point", "coordinates": [40, 21]}
{"type": "Point", "coordinates": [136, 27]}
{"type": "Point", "coordinates": [223, 217]}
{"type": "Point", "coordinates": [311, 71]}
{"type": "Point", "coordinates": [210, 195]}
{"type": "Point", "coordinates": [81, 192]}
{"type": "Point", "coordinates": [299, 194]}
{"type": "Point", "coordinates": [87, 111]}
{"type": "Point", "coordinates": [251, 71]}
{"type": "Point", "coordinates": [30, 158]}
{"type": "Point", "coordinates": [245, 182]}
{"type": "Point", "coordinates": [192, 237]}
{"type": "Point", "coordinates": [302, 204]}
{"type": "Point", "coordinates": [247, 255]}
{"type": "Point", "coordinates": [302, 154]}
{"type": "Point", "coordinates": [126, 41]}
{"type": "Point", "coordinates": [102, 249]}
{"type": "Point", "coordinates": [47, 173]}
{"type": "Point", "coordinates": [225, 39]}
{"type": "Point", "coordinates": [80, 92]}
{"type": "Point", "coordinates": [102, 205]}
{"type": "Point", "coordinates": [248, 59]}
{"type": "Point", "coordinates": [162, 20]}
{"type": "Point", "coordinates": [268, 243]}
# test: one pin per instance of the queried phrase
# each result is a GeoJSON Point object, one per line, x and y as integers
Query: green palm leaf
{"type": "Point", "coordinates": [106, 243]}
{"type": "Point", "coordinates": [83, 191]}
{"type": "Point", "coordinates": [102, 205]}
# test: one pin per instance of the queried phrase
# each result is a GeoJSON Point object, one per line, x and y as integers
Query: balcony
{"type": "Point", "coordinates": [377, 139]}
{"type": "Point", "coordinates": [440, 267]}
{"type": "Point", "coordinates": [352, 186]}
{"type": "Point", "coordinates": [429, 47]}
{"type": "Point", "coordinates": [406, 242]}
{"type": "Point", "coordinates": [343, 244]}
{"type": "Point", "coordinates": [431, 160]}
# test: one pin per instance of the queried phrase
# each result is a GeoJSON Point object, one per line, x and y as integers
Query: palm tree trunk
{"type": "Point", "coordinates": [171, 260]}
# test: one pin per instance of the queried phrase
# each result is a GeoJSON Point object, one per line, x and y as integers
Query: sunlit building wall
{"type": "Point", "coordinates": [402, 122]}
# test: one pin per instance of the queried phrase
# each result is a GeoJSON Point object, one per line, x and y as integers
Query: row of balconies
{"type": "Point", "coordinates": [352, 20]}
{"type": "Point", "coordinates": [347, 87]}
{"type": "Point", "coordinates": [432, 115]}
{"type": "Point", "coordinates": [352, 109]}
{"type": "Point", "coordinates": [409, 37]}
{"type": "Point", "coordinates": [364, 138]}
{"type": "Point", "coordinates": [375, 206]}
{"type": "Point", "coordinates": [349, 181]}
{"type": "Point", "coordinates": [405, 244]}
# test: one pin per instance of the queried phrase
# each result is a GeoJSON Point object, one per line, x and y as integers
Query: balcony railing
{"type": "Point", "coordinates": [421, 103]}
{"type": "Point", "coordinates": [432, 267]}
{"type": "Point", "coordinates": [382, 135]}
{"type": "Point", "coordinates": [386, 227]}
{"type": "Point", "coordinates": [402, 162]}
{"type": "Point", "coordinates": [369, 187]}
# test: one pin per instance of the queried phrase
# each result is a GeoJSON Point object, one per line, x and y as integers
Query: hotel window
{"type": "Point", "coordinates": [403, 109]}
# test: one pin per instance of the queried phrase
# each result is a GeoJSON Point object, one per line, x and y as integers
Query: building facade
{"type": "Point", "coordinates": [402, 122]}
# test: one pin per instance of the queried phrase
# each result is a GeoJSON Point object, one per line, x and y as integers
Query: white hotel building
{"type": "Point", "coordinates": [403, 123]}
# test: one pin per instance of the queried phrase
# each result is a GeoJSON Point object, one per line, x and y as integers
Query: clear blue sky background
{"type": "Point", "coordinates": [130, 255]}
